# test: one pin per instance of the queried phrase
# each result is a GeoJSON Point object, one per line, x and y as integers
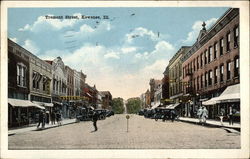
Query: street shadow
{"type": "Point", "coordinates": [93, 131]}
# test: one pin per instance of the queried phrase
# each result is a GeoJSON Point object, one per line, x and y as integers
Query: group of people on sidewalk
{"type": "Point", "coordinates": [55, 117]}
{"type": "Point", "coordinates": [203, 115]}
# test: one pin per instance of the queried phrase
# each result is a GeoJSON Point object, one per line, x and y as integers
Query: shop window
{"type": "Point", "coordinates": [221, 72]}
{"type": "Point", "coordinates": [236, 36]}
{"type": "Point", "coordinates": [221, 46]}
{"type": "Point", "coordinates": [236, 66]}
{"type": "Point", "coordinates": [228, 42]}
{"type": "Point", "coordinates": [215, 50]}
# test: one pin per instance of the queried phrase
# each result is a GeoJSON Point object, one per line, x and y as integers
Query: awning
{"type": "Point", "coordinates": [172, 106]}
{"type": "Point", "coordinates": [43, 104]}
{"type": "Point", "coordinates": [48, 104]}
{"type": "Point", "coordinates": [230, 94]}
{"type": "Point", "coordinates": [211, 101]}
{"type": "Point", "coordinates": [23, 103]}
{"type": "Point", "coordinates": [156, 105]}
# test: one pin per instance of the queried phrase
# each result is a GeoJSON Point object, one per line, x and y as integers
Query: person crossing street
{"type": "Point", "coordinates": [94, 119]}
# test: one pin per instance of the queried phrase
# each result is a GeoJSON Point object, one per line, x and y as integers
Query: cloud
{"type": "Point", "coordinates": [126, 50]}
{"type": "Point", "coordinates": [86, 30]}
{"type": "Point", "coordinates": [112, 54]}
{"type": "Point", "coordinates": [56, 24]}
{"type": "Point", "coordinates": [31, 46]}
{"type": "Point", "coordinates": [197, 26]}
{"type": "Point", "coordinates": [143, 32]}
{"type": "Point", "coordinates": [14, 39]}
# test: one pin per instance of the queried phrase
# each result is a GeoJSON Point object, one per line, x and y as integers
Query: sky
{"type": "Point", "coordinates": [121, 50]}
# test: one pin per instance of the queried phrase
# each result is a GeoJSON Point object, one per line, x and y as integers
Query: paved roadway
{"type": "Point", "coordinates": [112, 134]}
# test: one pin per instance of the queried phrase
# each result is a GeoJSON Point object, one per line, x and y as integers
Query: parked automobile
{"type": "Point", "coordinates": [101, 113]}
{"type": "Point", "coordinates": [141, 112]}
{"type": "Point", "coordinates": [109, 113]}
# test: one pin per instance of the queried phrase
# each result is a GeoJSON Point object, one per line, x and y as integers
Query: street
{"type": "Point", "coordinates": [142, 133]}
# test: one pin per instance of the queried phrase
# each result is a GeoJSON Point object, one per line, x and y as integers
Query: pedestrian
{"type": "Point", "coordinates": [230, 115]}
{"type": "Point", "coordinates": [204, 114]}
{"type": "Point", "coordinates": [59, 118]}
{"type": "Point", "coordinates": [199, 114]}
{"type": "Point", "coordinates": [173, 115]}
{"type": "Point", "coordinates": [53, 117]}
{"type": "Point", "coordinates": [40, 118]}
{"type": "Point", "coordinates": [94, 119]}
{"type": "Point", "coordinates": [44, 119]}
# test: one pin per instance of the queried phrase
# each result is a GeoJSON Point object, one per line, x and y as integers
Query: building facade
{"type": "Point", "coordinates": [212, 63]}
{"type": "Point", "coordinates": [106, 100]}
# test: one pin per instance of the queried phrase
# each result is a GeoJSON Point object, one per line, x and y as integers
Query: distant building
{"type": "Point", "coordinates": [155, 92]}
{"type": "Point", "coordinates": [106, 100]}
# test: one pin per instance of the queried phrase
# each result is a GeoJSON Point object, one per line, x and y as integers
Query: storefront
{"type": "Point", "coordinates": [22, 112]}
{"type": "Point", "coordinates": [220, 105]}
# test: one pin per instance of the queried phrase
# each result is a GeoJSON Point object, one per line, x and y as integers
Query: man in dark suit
{"type": "Point", "coordinates": [94, 119]}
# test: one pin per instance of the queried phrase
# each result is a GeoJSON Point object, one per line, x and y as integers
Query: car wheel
{"type": "Point", "coordinates": [156, 119]}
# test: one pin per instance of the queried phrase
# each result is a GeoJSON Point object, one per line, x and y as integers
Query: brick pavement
{"type": "Point", "coordinates": [112, 134]}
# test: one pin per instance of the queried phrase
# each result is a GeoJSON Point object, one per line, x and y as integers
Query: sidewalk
{"type": "Point", "coordinates": [34, 127]}
{"type": "Point", "coordinates": [211, 122]}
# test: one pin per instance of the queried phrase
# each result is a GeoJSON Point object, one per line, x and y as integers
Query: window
{"type": "Point", "coordinates": [206, 78]}
{"type": "Point", "coordinates": [215, 75]}
{"type": "Point", "coordinates": [206, 56]}
{"type": "Point", "coordinates": [201, 59]}
{"type": "Point", "coordinates": [221, 72]}
{"type": "Point", "coordinates": [236, 36]}
{"type": "Point", "coordinates": [197, 62]}
{"type": "Point", "coordinates": [210, 78]}
{"type": "Point", "coordinates": [36, 77]}
{"type": "Point", "coordinates": [221, 46]}
{"type": "Point", "coordinates": [228, 42]}
{"type": "Point", "coordinates": [210, 54]}
{"type": "Point", "coordinates": [201, 79]}
{"type": "Point", "coordinates": [194, 64]}
{"type": "Point", "coordinates": [21, 75]}
{"type": "Point", "coordinates": [236, 66]}
{"type": "Point", "coordinates": [197, 81]}
{"type": "Point", "coordinates": [215, 50]}
{"type": "Point", "coordinates": [228, 70]}
{"type": "Point", "coordinates": [194, 84]}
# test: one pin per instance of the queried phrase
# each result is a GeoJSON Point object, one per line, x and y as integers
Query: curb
{"type": "Point", "coordinates": [14, 133]}
{"type": "Point", "coordinates": [210, 125]}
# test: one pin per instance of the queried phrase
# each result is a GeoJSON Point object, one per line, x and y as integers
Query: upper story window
{"type": "Point", "coordinates": [197, 83]}
{"type": "Point", "coordinates": [194, 64]}
{"type": "Point", "coordinates": [228, 41]}
{"type": "Point", "coordinates": [21, 75]}
{"type": "Point", "coordinates": [206, 79]}
{"type": "Point", "coordinates": [201, 79]}
{"type": "Point", "coordinates": [201, 59]}
{"type": "Point", "coordinates": [228, 69]}
{"type": "Point", "coordinates": [221, 46]}
{"type": "Point", "coordinates": [215, 75]}
{"type": "Point", "coordinates": [236, 66]}
{"type": "Point", "coordinates": [210, 74]}
{"type": "Point", "coordinates": [215, 50]}
{"type": "Point", "coordinates": [221, 72]}
{"type": "Point", "coordinates": [197, 62]}
{"type": "Point", "coordinates": [206, 56]}
{"type": "Point", "coordinates": [236, 36]}
{"type": "Point", "coordinates": [210, 54]}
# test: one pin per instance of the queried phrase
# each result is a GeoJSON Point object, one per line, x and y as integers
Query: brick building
{"type": "Point", "coordinates": [212, 63]}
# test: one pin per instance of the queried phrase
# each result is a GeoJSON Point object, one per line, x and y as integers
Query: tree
{"type": "Point", "coordinates": [117, 105]}
{"type": "Point", "coordinates": [133, 105]}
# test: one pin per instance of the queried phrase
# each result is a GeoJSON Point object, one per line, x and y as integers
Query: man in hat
{"type": "Point", "coordinates": [94, 119]}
